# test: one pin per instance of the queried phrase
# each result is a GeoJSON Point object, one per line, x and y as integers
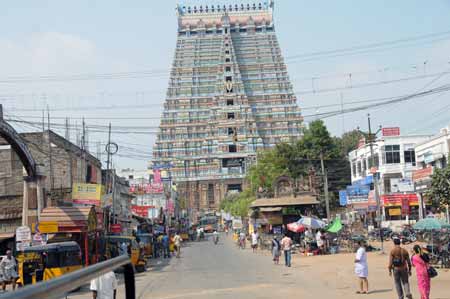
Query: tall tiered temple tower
{"type": "Point", "coordinates": [229, 96]}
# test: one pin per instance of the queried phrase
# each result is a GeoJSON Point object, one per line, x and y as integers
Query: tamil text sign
{"type": "Point", "coordinates": [422, 174]}
{"type": "Point", "coordinates": [394, 131]}
{"type": "Point", "coordinates": [48, 227]}
{"type": "Point", "coordinates": [87, 194]}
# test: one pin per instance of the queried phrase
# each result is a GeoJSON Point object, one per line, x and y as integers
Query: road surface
{"type": "Point", "coordinates": [220, 271]}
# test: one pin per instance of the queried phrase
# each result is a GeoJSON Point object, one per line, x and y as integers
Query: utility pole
{"type": "Point", "coordinates": [371, 139]}
{"type": "Point", "coordinates": [83, 153]}
{"type": "Point", "coordinates": [325, 187]}
{"type": "Point", "coordinates": [52, 181]}
{"type": "Point", "coordinates": [67, 135]}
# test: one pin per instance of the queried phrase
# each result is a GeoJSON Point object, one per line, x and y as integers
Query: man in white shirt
{"type": "Point", "coordinates": [104, 287]}
{"type": "Point", "coordinates": [319, 241]}
{"type": "Point", "coordinates": [254, 241]}
{"type": "Point", "coordinates": [177, 242]}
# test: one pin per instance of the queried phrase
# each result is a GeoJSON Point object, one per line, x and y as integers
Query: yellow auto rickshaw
{"type": "Point", "coordinates": [146, 244]}
{"type": "Point", "coordinates": [44, 262]}
{"type": "Point", "coordinates": [113, 244]}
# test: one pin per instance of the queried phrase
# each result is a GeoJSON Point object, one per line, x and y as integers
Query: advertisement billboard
{"type": "Point", "coordinates": [87, 194]}
{"type": "Point", "coordinates": [141, 210]}
{"type": "Point", "coordinates": [401, 185]}
{"type": "Point", "coordinates": [394, 131]}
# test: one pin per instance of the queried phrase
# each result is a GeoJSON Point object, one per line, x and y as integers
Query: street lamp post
{"type": "Point", "coordinates": [371, 138]}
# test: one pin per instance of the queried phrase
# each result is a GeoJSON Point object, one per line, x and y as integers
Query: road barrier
{"type": "Point", "coordinates": [59, 287]}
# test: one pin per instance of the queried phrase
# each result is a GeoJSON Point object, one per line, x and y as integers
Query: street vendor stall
{"type": "Point", "coordinates": [79, 224]}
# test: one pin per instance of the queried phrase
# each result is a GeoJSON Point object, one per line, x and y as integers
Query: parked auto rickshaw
{"type": "Point", "coordinates": [49, 261]}
{"type": "Point", "coordinates": [112, 250]}
{"type": "Point", "coordinates": [146, 240]}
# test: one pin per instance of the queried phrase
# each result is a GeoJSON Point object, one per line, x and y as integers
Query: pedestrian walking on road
{"type": "Point", "coordinates": [8, 270]}
{"type": "Point", "coordinates": [420, 262]}
{"type": "Point", "coordinates": [242, 240]}
{"type": "Point", "coordinates": [400, 265]}
{"type": "Point", "coordinates": [275, 250]}
{"type": "Point", "coordinates": [165, 245]}
{"type": "Point", "coordinates": [362, 269]}
{"type": "Point", "coordinates": [104, 286]}
{"type": "Point", "coordinates": [177, 242]}
{"type": "Point", "coordinates": [254, 241]}
{"type": "Point", "coordinates": [286, 246]}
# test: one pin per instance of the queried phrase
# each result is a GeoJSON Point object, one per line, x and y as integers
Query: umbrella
{"type": "Point", "coordinates": [311, 222]}
{"type": "Point", "coordinates": [335, 227]}
{"type": "Point", "coordinates": [295, 227]}
{"type": "Point", "coordinates": [428, 224]}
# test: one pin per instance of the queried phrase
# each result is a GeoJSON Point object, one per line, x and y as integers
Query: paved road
{"type": "Point", "coordinates": [220, 271]}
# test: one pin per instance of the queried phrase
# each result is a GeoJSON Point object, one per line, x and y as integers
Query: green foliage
{"type": "Point", "coordinates": [238, 204]}
{"type": "Point", "coordinates": [440, 187]}
{"type": "Point", "coordinates": [298, 158]}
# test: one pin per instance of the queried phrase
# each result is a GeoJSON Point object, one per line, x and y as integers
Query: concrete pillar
{"type": "Point", "coordinates": [40, 195]}
{"type": "Point", "coordinates": [25, 203]}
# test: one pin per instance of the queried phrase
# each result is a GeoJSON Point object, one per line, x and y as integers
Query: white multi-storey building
{"type": "Point", "coordinates": [394, 158]}
{"type": "Point", "coordinates": [434, 151]}
{"type": "Point", "coordinates": [394, 162]}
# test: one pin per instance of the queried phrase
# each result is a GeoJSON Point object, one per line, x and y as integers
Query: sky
{"type": "Point", "coordinates": [108, 61]}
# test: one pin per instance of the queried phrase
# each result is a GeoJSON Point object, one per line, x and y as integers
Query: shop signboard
{"type": "Point", "coordinates": [147, 188]}
{"type": "Point", "coordinates": [393, 131]}
{"type": "Point", "coordinates": [422, 174]}
{"type": "Point", "coordinates": [401, 185]}
{"type": "Point", "coordinates": [23, 237]}
{"type": "Point", "coordinates": [87, 194]}
{"type": "Point", "coordinates": [48, 227]}
{"type": "Point", "coordinates": [343, 197]}
{"type": "Point", "coordinates": [116, 228]}
{"type": "Point", "coordinates": [397, 199]}
{"type": "Point", "coordinates": [405, 206]}
{"type": "Point", "coordinates": [395, 212]}
{"type": "Point", "coordinates": [357, 193]}
{"type": "Point", "coordinates": [141, 210]}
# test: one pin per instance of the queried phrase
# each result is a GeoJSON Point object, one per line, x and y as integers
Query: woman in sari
{"type": "Point", "coordinates": [419, 261]}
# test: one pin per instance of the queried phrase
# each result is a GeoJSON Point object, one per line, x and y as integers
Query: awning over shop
{"type": "Point", "coordinates": [274, 209]}
{"type": "Point", "coordinates": [5, 236]}
{"type": "Point", "coordinates": [304, 199]}
{"type": "Point", "coordinates": [68, 219]}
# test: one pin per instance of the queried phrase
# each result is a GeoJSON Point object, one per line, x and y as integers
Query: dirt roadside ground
{"type": "Point", "coordinates": [338, 272]}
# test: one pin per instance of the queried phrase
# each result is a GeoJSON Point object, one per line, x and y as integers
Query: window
{"type": "Point", "coordinates": [230, 115]}
{"type": "Point", "coordinates": [211, 200]}
{"type": "Point", "coordinates": [228, 69]}
{"type": "Point", "coordinates": [230, 131]}
{"type": "Point", "coordinates": [226, 30]}
{"type": "Point", "coordinates": [230, 102]}
{"type": "Point", "coordinates": [228, 78]}
{"type": "Point", "coordinates": [359, 167]}
{"type": "Point", "coordinates": [364, 166]}
{"type": "Point", "coordinates": [226, 45]}
{"type": "Point", "coordinates": [232, 148]}
{"type": "Point", "coordinates": [392, 154]}
{"type": "Point", "coordinates": [410, 156]}
{"type": "Point", "coordinates": [227, 60]}
{"type": "Point", "coordinates": [227, 51]}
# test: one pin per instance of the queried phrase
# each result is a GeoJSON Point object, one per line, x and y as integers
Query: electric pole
{"type": "Point", "coordinates": [371, 137]}
{"type": "Point", "coordinates": [325, 187]}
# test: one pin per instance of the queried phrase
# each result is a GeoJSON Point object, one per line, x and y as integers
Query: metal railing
{"type": "Point", "coordinates": [59, 287]}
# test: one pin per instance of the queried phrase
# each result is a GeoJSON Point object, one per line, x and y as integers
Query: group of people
{"type": "Point", "coordinates": [400, 267]}
{"type": "Point", "coordinates": [285, 246]}
{"type": "Point", "coordinates": [162, 245]}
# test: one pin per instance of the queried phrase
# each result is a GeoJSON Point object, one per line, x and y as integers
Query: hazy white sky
{"type": "Point", "coordinates": [111, 59]}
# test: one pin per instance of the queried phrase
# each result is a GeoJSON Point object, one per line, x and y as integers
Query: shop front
{"type": "Point", "coordinates": [400, 206]}
{"type": "Point", "coordinates": [80, 224]}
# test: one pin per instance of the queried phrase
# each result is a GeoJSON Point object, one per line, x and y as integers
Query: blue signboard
{"type": "Point", "coordinates": [358, 190]}
{"type": "Point", "coordinates": [343, 197]}
{"type": "Point", "coordinates": [364, 181]}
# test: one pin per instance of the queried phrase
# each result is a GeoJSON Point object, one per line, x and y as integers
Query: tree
{"type": "Point", "coordinates": [440, 187]}
{"type": "Point", "coordinates": [269, 166]}
{"type": "Point", "coordinates": [238, 204]}
{"type": "Point", "coordinates": [348, 141]}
